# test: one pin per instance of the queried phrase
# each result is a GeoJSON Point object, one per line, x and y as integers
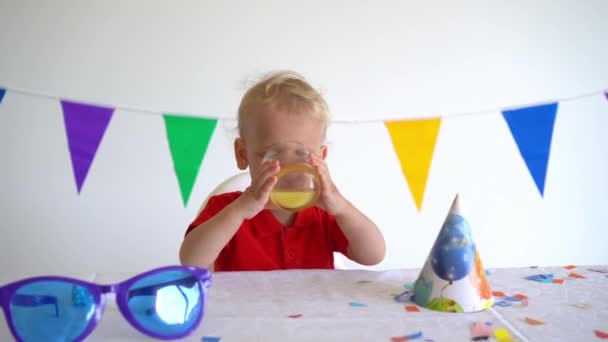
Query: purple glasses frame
{"type": "Point", "coordinates": [8, 291]}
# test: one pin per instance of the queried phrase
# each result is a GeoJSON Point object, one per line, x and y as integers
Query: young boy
{"type": "Point", "coordinates": [243, 231]}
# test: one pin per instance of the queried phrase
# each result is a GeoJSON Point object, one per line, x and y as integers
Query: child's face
{"type": "Point", "coordinates": [290, 135]}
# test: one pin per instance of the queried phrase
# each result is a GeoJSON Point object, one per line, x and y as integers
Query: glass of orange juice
{"type": "Point", "coordinates": [298, 185]}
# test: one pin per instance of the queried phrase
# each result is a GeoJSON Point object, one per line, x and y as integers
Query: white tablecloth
{"type": "Point", "coordinates": [357, 305]}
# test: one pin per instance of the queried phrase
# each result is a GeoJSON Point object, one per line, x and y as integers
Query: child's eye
{"type": "Point", "coordinates": [271, 155]}
{"type": "Point", "coordinates": [302, 153]}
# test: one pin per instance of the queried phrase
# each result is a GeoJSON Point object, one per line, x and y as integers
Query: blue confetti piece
{"type": "Point", "coordinates": [488, 273]}
{"type": "Point", "coordinates": [415, 335]}
{"type": "Point", "coordinates": [543, 278]}
{"type": "Point", "coordinates": [502, 303]}
{"type": "Point", "coordinates": [488, 323]}
{"type": "Point", "coordinates": [210, 339]}
{"type": "Point", "coordinates": [403, 298]}
{"type": "Point", "coordinates": [512, 299]}
{"type": "Point", "coordinates": [356, 304]}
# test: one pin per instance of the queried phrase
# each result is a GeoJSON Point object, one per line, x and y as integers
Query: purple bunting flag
{"type": "Point", "coordinates": [85, 126]}
{"type": "Point", "coordinates": [532, 129]}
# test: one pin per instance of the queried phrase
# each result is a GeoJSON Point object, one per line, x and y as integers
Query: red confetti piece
{"type": "Point", "coordinates": [558, 281]}
{"type": "Point", "coordinates": [601, 334]}
{"type": "Point", "coordinates": [570, 267]}
{"type": "Point", "coordinates": [295, 316]}
{"type": "Point", "coordinates": [498, 293]}
{"type": "Point", "coordinates": [533, 321]}
{"type": "Point", "coordinates": [411, 308]}
{"type": "Point", "coordinates": [576, 276]}
{"type": "Point", "coordinates": [521, 296]}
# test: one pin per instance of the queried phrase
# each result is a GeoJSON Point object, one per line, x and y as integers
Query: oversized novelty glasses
{"type": "Point", "coordinates": [165, 303]}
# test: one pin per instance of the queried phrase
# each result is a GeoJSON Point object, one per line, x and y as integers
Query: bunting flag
{"type": "Point", "coordinates": [85, 126]}
{"type": "Point", "coordinates": [414, 142]}
{"type": "Point", "coordinates": [532, 129]}
{"type": "Point", "coordinates": [188, 141]}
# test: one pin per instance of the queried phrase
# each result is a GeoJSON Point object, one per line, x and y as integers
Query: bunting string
{"type": "Point", "coordinates": [339, 121]}
{"type": "Point", "coordinates": [413, 139]}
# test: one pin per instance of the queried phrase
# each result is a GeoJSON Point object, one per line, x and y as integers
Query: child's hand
{"type": "Point", "coordinates": [330, 199]}
{"type": "Point", "coordinates": [255, 198]}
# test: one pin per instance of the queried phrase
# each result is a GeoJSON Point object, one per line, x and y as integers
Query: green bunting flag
{"type": "Point", "coordinates": [188, 141]}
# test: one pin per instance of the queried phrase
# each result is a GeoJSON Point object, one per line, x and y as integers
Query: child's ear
{"type": "Point", "coordinates": [323, 152]}
{"type": "Point", "coordinates": [240, 153]}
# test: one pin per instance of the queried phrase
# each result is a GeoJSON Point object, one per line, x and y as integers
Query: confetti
{"type": "Point", "coordinates": [411, 308]}
{"type": "Point", "coordinates": [513, 299]}
{"type": "Point", "coordinates": [364, 281]}
{"type": "Point", "coordinates": [210, 339]}
{"type": "Point", "coordinates": [295, 316]}
{"type": "Point", "coordinates": [481, 331]}
{"type": "Point", "coordinates": [543, 278]}
{"type": "Point", "coordinates": [410, 337]}
{"type": "Point", "coordinates": [502, 335]}
{"type": "Point", "coordinates": [502, 303]}
{"type": "Point", "coordinates": [576, 276]}
{"type": "Point", "coordinates": [570, 267]}
{"type": "Point", "coordinates": [521, 296]}
{"type": "Point", "coordinates": [404, 297]}
{"type": "Point", "coordinates": [498, 293]}
{"type": "Point", "coordinates": [558, 281]}
{"type": "Point", "coordinates": [357, 304]}
{"type": "Point", "coordinates": [533, 321]}
{"type": "Point", "coordinates": [601, 334]}
{"type": "Point", "coordinates": [583, 306]}
{"type": "Point", "coordinates": [488, 273]}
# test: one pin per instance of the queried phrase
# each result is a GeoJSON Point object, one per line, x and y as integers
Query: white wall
{"type": "Point", "coordinates": [373, 61]}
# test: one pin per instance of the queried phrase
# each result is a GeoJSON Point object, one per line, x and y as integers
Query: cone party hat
{"type": "Point", "coordinates": [453, 278]}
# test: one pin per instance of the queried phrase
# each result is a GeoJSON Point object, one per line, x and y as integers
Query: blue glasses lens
{"type": "Point", "coordinates": [166, 304]}
{"type": "Point", "coordinates": [51, 311]}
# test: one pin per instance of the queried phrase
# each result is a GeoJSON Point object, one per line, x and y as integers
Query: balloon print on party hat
{"type": "Point", "coordinates": [453, 278]}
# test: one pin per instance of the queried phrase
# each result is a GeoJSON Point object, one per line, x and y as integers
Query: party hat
{"type": "Point", "coordinates": [453, 278]}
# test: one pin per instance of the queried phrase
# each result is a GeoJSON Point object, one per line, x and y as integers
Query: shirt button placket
{"type": "Point", "coordinates": [288, 243]}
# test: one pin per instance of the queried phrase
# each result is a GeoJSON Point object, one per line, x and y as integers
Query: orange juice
{"type": "Point", "coordinates": [293, 199]}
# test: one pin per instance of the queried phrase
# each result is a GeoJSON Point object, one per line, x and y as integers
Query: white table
{"type": "Point", "coordinates": [255, 306]}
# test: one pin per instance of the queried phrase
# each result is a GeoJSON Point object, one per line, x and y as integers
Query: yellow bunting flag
{"type": "Point", "coordinates": [414, 142]}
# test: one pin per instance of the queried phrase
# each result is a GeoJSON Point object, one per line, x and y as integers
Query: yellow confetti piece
{"type": "Point", "coordinates": [502, 335]}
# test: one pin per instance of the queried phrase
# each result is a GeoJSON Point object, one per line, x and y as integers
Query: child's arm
{"type": "Point", "coordinates": [365, 241]}
{"type": "Point", "coordinates": [204, 243]}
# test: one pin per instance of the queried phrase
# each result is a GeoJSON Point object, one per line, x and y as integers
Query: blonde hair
{"type": "Point", "coordinates": [286, 90]}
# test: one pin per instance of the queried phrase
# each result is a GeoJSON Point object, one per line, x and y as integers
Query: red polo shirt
{"type": "Point", "coordinates": [263, 243]}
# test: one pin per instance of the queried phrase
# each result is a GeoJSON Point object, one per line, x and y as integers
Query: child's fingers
{"type": "Point", "coordinates": [267, 170]}
{"type": "Point", "coordinates": [319, 165]}
{"type": "Point", "coordinates": [268, 185]}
